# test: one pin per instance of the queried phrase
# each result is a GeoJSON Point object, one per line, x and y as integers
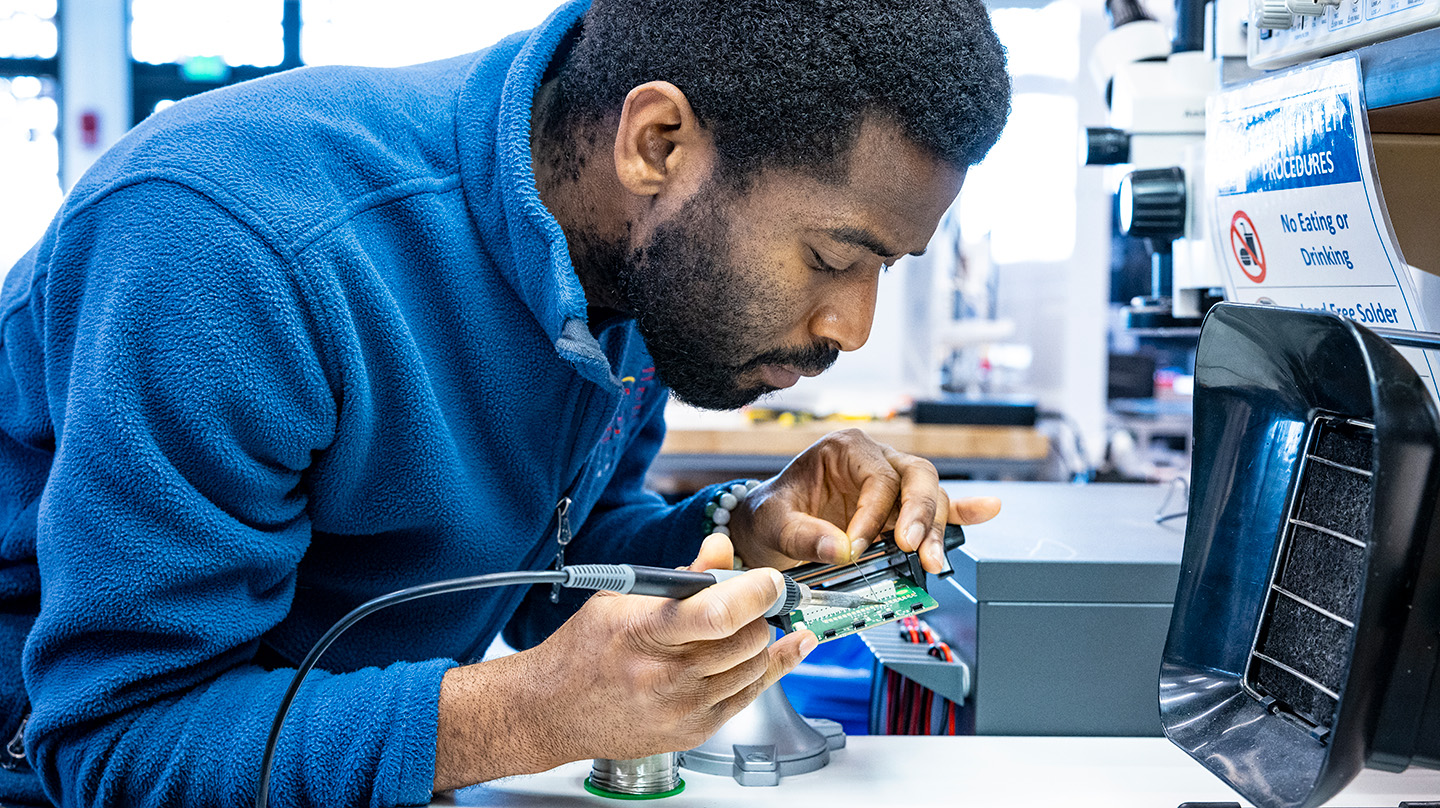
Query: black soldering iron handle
{"type": "Point", "coordinates": [635, 579]}
{"type": "Point", "coordinates": [678, 584]}
{"type": "Point", "coordinates": [684, 583]}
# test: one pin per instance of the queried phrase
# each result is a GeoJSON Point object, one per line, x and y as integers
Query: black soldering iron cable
{"type": "Point", "coordinates": [622, 578]}
{"type": "Point", "coordinates": [262, 794]}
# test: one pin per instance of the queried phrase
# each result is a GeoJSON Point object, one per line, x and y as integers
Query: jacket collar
{"type": "Point", "coordinates": [493, 133]}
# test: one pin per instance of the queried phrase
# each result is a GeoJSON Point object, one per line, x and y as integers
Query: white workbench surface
{"type": "Point", "coordinates": [977, 772]}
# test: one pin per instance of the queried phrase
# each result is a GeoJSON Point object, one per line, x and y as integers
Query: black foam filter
{"type": "Point", "coordinates": [1336, 499]}
{"type": "Point", "coordinates": [1309, 617]}
{"type": "Point", "coordinates": [1300, 696]}
{"type": "Point", "coordinates": [1324, 570]}
{"type": "Point", "coordinates": [1349, 449]}
{"type": "Point", "coordinates": [1307, 641]}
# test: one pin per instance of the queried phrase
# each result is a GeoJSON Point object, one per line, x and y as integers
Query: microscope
{"type": "Point", "coordinates": [1155, 84]}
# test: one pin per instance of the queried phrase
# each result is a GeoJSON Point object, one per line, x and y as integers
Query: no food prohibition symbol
{"type": "Point", "coordinates": [1245, 244]}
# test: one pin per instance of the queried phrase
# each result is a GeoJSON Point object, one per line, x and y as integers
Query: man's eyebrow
{"type": "Point", "coordinates": [861, 237]}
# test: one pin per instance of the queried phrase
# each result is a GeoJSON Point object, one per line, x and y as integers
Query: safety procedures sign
{"type": "Point", "coordinates": [1298, 216]}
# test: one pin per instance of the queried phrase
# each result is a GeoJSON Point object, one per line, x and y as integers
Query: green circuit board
{"type": "Point", "coordinates": [898, 597]}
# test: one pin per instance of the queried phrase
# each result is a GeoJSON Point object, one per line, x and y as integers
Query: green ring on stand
{"type": "Point", "coordinates": [615, 795]}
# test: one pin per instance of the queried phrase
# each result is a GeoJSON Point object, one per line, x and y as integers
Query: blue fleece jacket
{"type": "Point", "coordinates": [289, 346]}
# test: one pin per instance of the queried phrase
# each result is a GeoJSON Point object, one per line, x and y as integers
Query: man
{"type": "Point", "coordinates": [301, 342]}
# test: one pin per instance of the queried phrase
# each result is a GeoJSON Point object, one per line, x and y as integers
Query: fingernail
{"type": "Point", "coordinates": [914, 535]}
{"type": "Point", "coordinates": [808, 643]}
{"type": "Point", "coordinates": [857, 547]}
{"type": "Point", "coordinates": [778, 579]}
{"type": "Point", "coordinates": [937, 558]}
{"type": "Point", "coordinates": [832, 549]}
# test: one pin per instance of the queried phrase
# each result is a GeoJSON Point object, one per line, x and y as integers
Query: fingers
{"type": "Point", "coordinates": [657, 671]}
{"type": "Point", "coordinates": [875, 506]}
{"type": "Point", "coordinates": [726, 682]}
{"type": "Point", "coordinates": [973, 510]}
{"type": "Point", "coordinates": [923, 509]}
{"type": "Point", "coordinates": [712, 657]}
{"type": "Point", "coordinates": [894, 485]}
{"type": "Point", "coordinates": [780, 658]}
{"type": "Point", "coordinates": [968, 511]}
{"type": "Point", "coordinates": [842, 480]}
{"type": "Point", "coordinates": [848, 479]}
{"type": "Point", "coordinates": [932, 551]}
{"type": "Point", "coordinates": [814, 539]}
{"type": "Point", "coordinates": [920, 498]}
{"type": "Point", "coordinates": [716, 553]}
{"type": "Point", "coordinates": [721, 610]}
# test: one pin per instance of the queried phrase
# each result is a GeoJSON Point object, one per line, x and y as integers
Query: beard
{"type": "Point", "coordinates": [703, 316]}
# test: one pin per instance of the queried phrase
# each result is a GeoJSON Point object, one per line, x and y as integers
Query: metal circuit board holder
{"type": "Point", "coordinates": [884, 561]}
{"type": "Point", "coordinates": [881, 561]}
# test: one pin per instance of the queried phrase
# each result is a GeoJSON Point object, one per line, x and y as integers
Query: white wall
{"type": "Point", "coordinates": [94, 82]}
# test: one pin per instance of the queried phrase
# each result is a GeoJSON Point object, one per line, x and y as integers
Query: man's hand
{"type": "Point", "coordinates": [848, 479]}
{"type": "Point", "coordinates": [627, 676]}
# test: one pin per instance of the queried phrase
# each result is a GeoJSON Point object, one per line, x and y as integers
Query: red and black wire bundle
{"type": "Point", "coordinates": [909, 707]}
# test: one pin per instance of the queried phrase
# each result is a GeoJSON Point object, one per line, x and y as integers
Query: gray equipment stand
{"type": "Point", "coordinates": [766, 741]}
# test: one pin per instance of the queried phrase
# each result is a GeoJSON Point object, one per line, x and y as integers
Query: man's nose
{"type": "Point", "coordinates": [846, 312]}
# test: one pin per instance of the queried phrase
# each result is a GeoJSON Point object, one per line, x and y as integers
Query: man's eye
{"type": "Point", "coordinates": [821, 265]}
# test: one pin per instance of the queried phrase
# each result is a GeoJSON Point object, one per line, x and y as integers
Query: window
{"type": "Point", "coordinates": [29, 119]}
{"type": "Point", "coordinates": [27, 30]}
{"type": "Point", "coordinates": [179, 48]}
{"type": "Point", "coordinates": [184, 47]}
{"type": "Point", "coordinates": [220, 33]}
{"type": "Point", "coordinates": [1023, 194]}
{"type": "Point", "coordinates": [385, 34]}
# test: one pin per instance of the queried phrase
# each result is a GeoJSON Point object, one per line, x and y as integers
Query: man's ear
{"type": "Point", "coordinates": [659, 144]}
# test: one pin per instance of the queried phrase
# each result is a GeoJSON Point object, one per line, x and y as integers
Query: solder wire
{"type": "Point", "coordinates": [869, 587]}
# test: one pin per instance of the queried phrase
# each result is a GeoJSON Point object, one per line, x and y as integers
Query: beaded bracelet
{"type": "Point", "coordinates": [723, 504]}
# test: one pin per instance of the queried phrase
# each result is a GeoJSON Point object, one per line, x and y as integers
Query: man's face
{"type": "Point", "coordinates": [740, 295]}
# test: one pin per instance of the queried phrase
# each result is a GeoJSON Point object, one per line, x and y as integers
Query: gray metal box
{"type": "Point", "coordinates": [1061, 605]}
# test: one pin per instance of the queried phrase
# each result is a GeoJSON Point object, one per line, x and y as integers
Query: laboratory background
{"type": "Point", "coordinates": [1180, 320]}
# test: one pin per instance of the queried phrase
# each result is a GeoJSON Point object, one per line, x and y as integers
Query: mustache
{"type": "Point", "coordinates": [815, 358]}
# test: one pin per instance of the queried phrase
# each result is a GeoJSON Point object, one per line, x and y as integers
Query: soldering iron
{"type": "Point", "coordinates": [634, 579]}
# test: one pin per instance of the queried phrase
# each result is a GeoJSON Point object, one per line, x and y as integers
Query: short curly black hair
{"type": "Point", "coordinates": [787, 83]}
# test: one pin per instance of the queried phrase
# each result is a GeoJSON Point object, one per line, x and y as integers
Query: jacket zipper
{"type": "Point", "coordinates": [15, 749]}
{"type": "Point", "coordinates": [562, 538]}
{"type": "Point", "coordinates": [563, 534]}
